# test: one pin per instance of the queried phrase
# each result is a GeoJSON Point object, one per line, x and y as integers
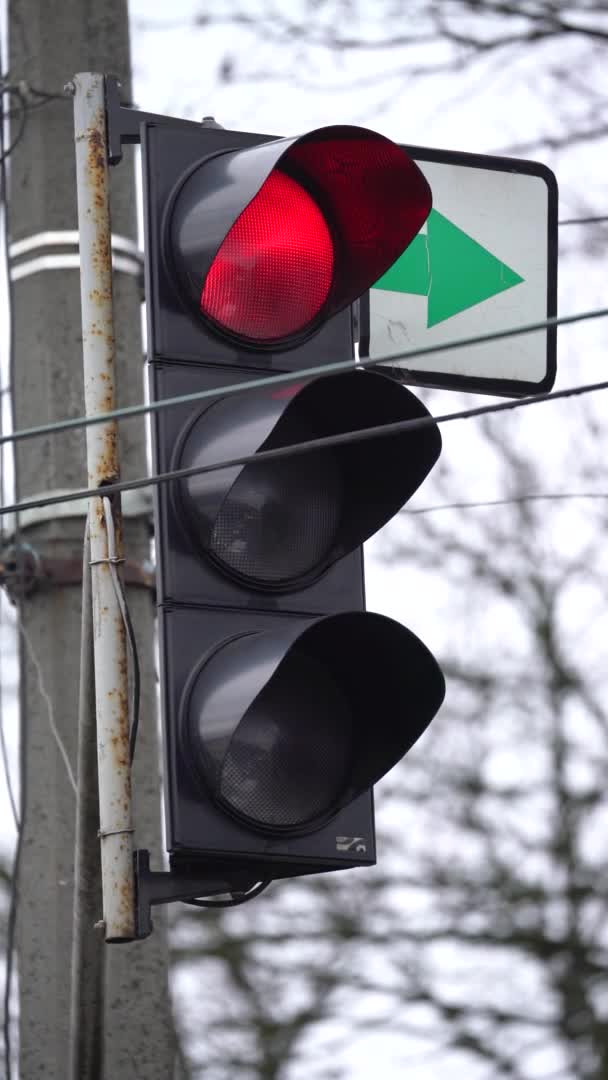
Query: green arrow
{"type": "Point", "coordinates": [449, 267]}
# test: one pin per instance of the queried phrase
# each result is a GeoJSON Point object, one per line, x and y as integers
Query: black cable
{"type": "Point", "coordinates": [583, 220]}
{"type": "Point", "coordinates": [29, 107]}
{"type": "Point", "coordinates": [310, 445]}
{"type": "Point", "coordinates": [136, 685]}
{"type": "Point", "coordinates": [47, 95]}
{"type": "Point", "coordinates": [130, 632]}
{"type": "Point", "coordinates": [7, 79]}
{"type": "Point", "coordinates": [236, 898]}
{"type": "Point", "coordinates": [321, 370]}
{"type": "Point", "coordinates": [19, 90]}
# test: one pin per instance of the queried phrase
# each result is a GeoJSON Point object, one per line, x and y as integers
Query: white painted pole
{"type": "Point", "coordinates": [110, 650]}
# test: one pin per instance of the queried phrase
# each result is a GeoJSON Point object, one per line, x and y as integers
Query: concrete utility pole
{"type": "Point", "coordinates": [49, 43]}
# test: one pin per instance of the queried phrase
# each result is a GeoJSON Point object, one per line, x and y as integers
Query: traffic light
{"type": "Point", "coordinates": [283, 700]}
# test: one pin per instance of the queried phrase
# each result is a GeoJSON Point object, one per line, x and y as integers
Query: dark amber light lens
{"type": "Point", "coordinates": [290, 758]}
{"type": "Point", "coordinates": [280, 520]}
{"type": "Point", "coordinates": [272, 274]}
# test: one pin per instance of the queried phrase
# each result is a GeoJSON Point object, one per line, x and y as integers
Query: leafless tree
{"type": "Point", "coordinates": [557, 46]}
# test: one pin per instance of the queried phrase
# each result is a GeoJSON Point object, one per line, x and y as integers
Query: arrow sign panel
{"type": "Point", "coordinates": [451, 269]}
{"type": "Point", "coordinates": [485, 260]}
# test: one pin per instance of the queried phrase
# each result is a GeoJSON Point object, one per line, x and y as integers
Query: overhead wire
{"type": "Point", "coordinates": [252, 384]}
{"type": "Point", "coordinates": [45, 95]}
{"type": "Point", "coordinates": [17, 91]}
{"type": "Point", "coordinates": [278, 378]}
{"type": "Point", "coordinates": [599, 219]}
{"type": "Point", "coordinates": [339, 439]}
{"type": "Point", "coordinates": [511, 500]}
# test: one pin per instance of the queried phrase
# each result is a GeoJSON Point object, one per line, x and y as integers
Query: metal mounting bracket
{"type": "Point", "coordinates": [166, 886]}
{"type": "Point", "coordinates": [124, 122]}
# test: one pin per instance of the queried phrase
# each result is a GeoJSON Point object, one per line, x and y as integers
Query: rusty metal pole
{"type": "Point", "coordinates": [110, 649]}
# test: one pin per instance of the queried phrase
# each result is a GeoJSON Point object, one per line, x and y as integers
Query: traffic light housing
{"type": "Point", "coordinates": [283, 700]}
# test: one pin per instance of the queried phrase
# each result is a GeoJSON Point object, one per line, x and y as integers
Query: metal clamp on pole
{"type": "Point", "coordinates": [110, 649]}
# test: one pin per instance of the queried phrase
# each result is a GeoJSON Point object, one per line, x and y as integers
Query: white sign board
{"type": "Point", "coordinates": [485, 260]}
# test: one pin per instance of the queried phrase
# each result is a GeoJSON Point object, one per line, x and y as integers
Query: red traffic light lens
{"type": "Point", "coordinates": [266, 242]}
{"type": "Point", "coordinates": [375, 196]}
{"type": "Point", "coordinates": [272, 274]}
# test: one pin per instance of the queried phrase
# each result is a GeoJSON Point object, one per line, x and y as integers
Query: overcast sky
{"type": "Point", "coordinates": [175, 72]}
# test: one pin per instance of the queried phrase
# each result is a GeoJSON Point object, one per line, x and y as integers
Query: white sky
{"type": "Point", "coordinates": [175, 73]}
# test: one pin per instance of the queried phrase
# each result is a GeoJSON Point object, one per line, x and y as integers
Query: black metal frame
{"type": "Point", "coordinates": [166, 886]}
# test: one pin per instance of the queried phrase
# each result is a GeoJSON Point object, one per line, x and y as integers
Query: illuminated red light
{"type": "Point", "coordinates": [273, 272]}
